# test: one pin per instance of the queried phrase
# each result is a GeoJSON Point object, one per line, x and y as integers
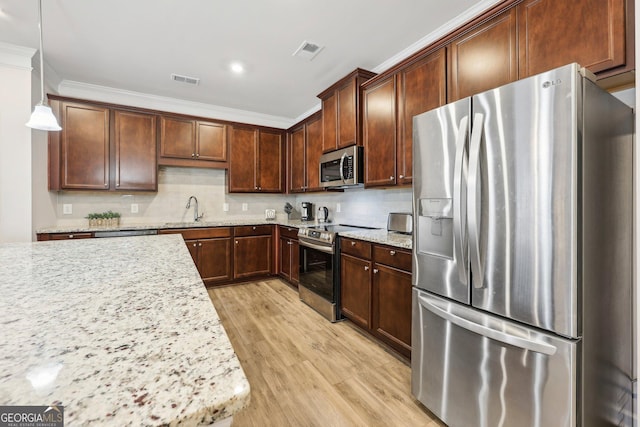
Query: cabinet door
{"type": "Point", "coordinates": [135, 160]}
{"type": "Point", "coordinates": [380, 134]}
{"type": "Point", "coordinates": [347, 117]}
{"type": "Point", "coordinates": [215, 259]}
{"type": "Point", "coordinates": [270, 162]}
{"type": "Point", "coordinates": [391, 319]}
{"type": "Point", "coordinates": [355, 289]}
{"type": "Point", "coordinates": [552, 33]}
{"type": "Point", "coordinates": [295, 262]}
{"type": "Point", "coordinates": [85, 147]}
{"type": "Point", "coordinates": [313, 153]}
{"type": "Point", "coordinates": [242, 160]}
{"type": "Point", "coordinates": [330, 123]}
{"type": "Point", "coordinates": [421, 87]}
{"type": "Point", "coordinates": [211, 141]}
{"type": "Point", "coordinates": [177, 138]}
{"type": "Point", "coordinates": [285, 258]}
{"type": "Point", "coordinates": [252, 256]}
{"type": "Point", "coordinates": [192, 245]}
{"type": "Point", "coordinates": [484, 58]}
{"type": "Point", "coordinates": [297, 176]}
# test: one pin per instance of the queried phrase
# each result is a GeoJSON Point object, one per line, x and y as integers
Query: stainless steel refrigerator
{"type": "Point", "coordinates": [522, 298]}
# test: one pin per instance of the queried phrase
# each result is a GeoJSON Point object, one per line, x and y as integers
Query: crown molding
{"type": "Point", "coordinates": [441, 31]}
{"type": "Point", "coordinates": [15, 56]}
{"type": "Point", "coordinates": [107, 94]}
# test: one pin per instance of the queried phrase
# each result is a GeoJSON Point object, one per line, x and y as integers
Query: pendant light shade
{"type": "Point", "coordinates": [42, 117]}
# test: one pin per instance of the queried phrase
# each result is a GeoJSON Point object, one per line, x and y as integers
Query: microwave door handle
{"type": "Point", "coordinates": [525, 343]}
{"type": "Point", "coordinates": [344, 156]}
{"type": "Point", "coordinates": [460, 201]}
{"type": "Point", "coordinates": [474, 201]}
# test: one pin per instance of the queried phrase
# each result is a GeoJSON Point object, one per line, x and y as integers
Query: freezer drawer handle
{"type": "Point", "coordinates": [459, 202]}
{"type": "Point", "coordinates": [474, 202]}
{"type": "Point", "coordinates": [521, 342]}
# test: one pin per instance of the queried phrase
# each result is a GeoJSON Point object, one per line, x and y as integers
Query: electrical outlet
{"type": "Point", "coordinates": [245, 206]}
{"type": "Point", "coordinates": [67, 208]}
{"type": "Point", "coordinates": [134, 208]}
{"type": "Point", "coordinates": [337, 207]}
{"type": "Point", "coordinates": [225, 207]}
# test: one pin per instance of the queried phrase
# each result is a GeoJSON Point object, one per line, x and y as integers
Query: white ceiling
{"type": "Point", "coordinates": [134, 45]}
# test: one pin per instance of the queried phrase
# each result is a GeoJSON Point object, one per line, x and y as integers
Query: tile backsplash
{"type": "Point", "coordinates": [176, 185]}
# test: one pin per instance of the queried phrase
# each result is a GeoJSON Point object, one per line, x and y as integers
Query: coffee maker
{"type": "Point", "coordinates": [307, 211]}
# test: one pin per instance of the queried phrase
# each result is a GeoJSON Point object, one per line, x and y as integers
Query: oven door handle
{"type": "Point", "coordinates": [321, 248]}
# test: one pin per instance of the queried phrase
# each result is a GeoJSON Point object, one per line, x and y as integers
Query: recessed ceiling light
{"type": "Point", "coordinates": [237, 67]}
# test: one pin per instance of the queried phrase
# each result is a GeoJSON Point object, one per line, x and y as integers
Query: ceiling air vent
{"type": "Point", "coordinates": [308, 50]}
{"type": "Point", "coordinates": [185, 79]}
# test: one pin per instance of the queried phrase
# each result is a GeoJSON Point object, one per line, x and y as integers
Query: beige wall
{"type": "Point", "coordinates": [15, 153]}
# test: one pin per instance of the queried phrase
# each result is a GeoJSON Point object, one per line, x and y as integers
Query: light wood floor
{"type": "Point", "coordinates": [305, 371]}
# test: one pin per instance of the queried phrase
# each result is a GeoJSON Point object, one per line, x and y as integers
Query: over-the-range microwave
{"type": "Point", "coordinates": [342, 168]}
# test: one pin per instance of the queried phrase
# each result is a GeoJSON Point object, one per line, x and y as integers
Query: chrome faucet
{"type": "Point", "coordinates": [196, 217]}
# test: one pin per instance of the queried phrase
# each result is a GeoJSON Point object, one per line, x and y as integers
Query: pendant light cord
{"type": "Point", "coordinates": [41, 54]}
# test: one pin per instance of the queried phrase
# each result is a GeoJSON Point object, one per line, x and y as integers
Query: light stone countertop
{"type": "Point", "coordinates": [169, 225]}
{"type": "Point", "coordinates": [120, 331]}
{"type": "Point", "coordinates": [385, 237]}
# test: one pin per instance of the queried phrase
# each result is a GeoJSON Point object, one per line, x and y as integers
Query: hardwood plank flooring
{"type": "Point", "coordinates": [306, 371]}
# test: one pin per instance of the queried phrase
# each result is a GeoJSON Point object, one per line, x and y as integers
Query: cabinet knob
{"type": "Point", "coordinates": [198, 155]}
{"type": "Point", "coordinates": [353, 243]}
{"type": "Point", "coordinates": [193, 154]}
{"type": "Point", "coordinates": [366, 268]}
{"type": "Point", "coordinates": [199, 244]}
{"type": "Point", "coordinates": [71, 236]}
{"type": "Point", "coordinates": [375, 270]}
{"type": "Point", "coordinates": [117, 185]}
{"type": "Point", "coordinates": [255, 188]}
{"type": "Point", "coordinates": [392, 253]}
{"type": "Point", "coordinates": [253, 228]}
{"type": "Point", "coordinates": [390, 178]}
{"type": "Point", "coordinates": [236, 242]}
{"type": "Point", "coordinates": [289, 243]}
{"type": "Point", "coordinates": [401, 176]}
{"type": "Point", "coordinates": [194, 245]}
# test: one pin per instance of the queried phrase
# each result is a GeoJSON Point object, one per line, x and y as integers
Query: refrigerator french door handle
{"type": "Point", "coordinates": [460, 201]}
{"type": "Point", "coordinates": [473, 204]}
{"type": "Point", "coordinates": [505, 337]}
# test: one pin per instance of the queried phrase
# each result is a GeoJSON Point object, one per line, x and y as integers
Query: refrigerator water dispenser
{"type": "Point", "coordinates": [436, 218]}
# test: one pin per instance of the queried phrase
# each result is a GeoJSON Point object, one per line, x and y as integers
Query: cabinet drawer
{"type": "Point", "coordinates": [290, 232]}
{"type": "Point", "coordinates": [355, 247]}
{"type": "Point", "coordinates": [392, 257]}
{"type": "Point", "coordinates": [68, 236]}
{"type": "Point", "coordinates": [253, 230]}
{"type": "Point", "coordinates": [199, 233]}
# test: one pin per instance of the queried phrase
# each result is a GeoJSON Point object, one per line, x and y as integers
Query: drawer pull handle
{"type": "Point", "coordinates": [366, 268]}
{"type": "Point", "coordinates": [353, 243]}
{"type": "Point", "coordinates": [375, 270]}
{"type": "Point", "coordinates": [392, 253]}
{"type": "Point", "coordinates": [71, 236]}
{"type": "Point", "coordinates": [254, 228]}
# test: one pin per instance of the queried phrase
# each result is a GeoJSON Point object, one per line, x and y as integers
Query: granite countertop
{"type": "Point", "coordinates": [118, 331]}
{"type": "Point", "coordinates": [381, 236]}
{"type": "Point", "coordinates": [169, 225]}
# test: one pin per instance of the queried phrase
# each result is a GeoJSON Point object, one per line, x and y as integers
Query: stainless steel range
{"type": "Point", "coordinates": [319, 285]}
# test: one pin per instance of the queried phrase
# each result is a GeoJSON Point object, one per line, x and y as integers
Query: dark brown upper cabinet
{"type": "Point", "coordinates": [102, 148]}
{"type": "Point", "coordinates": [389, 106]}
{"type": "Point", "coordinates": [341, 111]}
{"type": "Point", "coordinates": [190, 142]}
{"type": "Point", "coordinates": [305, 149]}
{"type": "Point", "coordinates": [256, 161]}
{"type": "Point", "coordinates": [484, 58]}
{"type": "Point", "coordinates": [552, 33]}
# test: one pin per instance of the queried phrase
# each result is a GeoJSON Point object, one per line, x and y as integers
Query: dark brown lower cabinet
{"type": "Point", "coordinates": [355, 289]}
{"type": "Point", "coordinates": [391, 319]}
{"type": "Point", "coordinates": [376, 292]}
{"type": "Point", "coordinates": [252, 251]}
{"type": "Point", "coordinates": [212, 258]}
{"type": "Point", "coordinates": [289, 255]}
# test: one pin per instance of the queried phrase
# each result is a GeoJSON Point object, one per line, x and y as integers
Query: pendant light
{"type": "Point", "coordinates": [42, 117]}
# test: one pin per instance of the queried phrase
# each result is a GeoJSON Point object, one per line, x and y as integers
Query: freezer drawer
{"type": "Point", "coordinates": [472, 369]}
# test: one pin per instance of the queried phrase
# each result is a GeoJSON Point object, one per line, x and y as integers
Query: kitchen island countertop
{"type": "Point", "coordinates": [118, 331]}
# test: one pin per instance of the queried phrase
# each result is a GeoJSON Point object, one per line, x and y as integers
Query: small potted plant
{"type": "Point", "coordinates": [104, 219]}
